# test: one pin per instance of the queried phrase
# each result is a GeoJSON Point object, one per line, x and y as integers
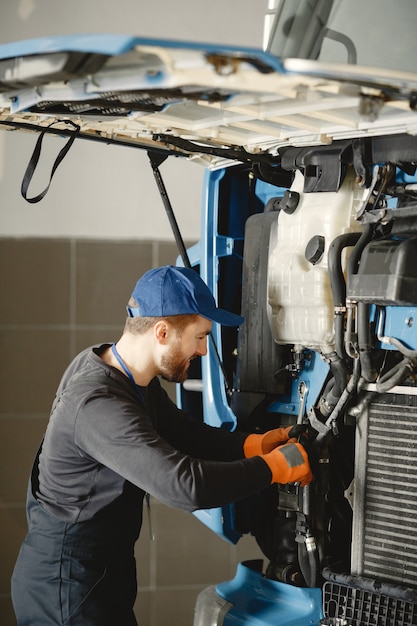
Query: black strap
{"type": "Point", "coordinates": [33, 162]}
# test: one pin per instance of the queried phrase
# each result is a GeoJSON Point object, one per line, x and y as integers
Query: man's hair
{"type": "Point", "coordinates": [139, 325]}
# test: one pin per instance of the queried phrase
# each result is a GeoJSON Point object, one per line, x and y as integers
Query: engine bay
{"type": "Point", "coordinates": [327, 286]}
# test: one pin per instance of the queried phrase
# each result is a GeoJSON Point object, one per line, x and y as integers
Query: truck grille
{"type": "Point", "coordinates": [359, 607]}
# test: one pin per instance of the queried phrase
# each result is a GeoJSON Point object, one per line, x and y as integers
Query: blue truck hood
{"type": "Point", "coordinates": [217, 105]}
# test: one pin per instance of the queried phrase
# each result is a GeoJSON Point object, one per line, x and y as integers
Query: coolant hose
{"type": "Point", "coordinates": [339, 329]}
{"type": "Point", "coordinates": [307, 552]}
{"type": "Point", "coordinates": [353, 384]}
{"type": "Point", "coordinates": [369, 372]}
{"type": "Point", "coordinates": [354, 259]}
{"type": "Point", "coordinates": [394, 376]}
{"type": "Point", "coordinates": [338, 284]}
{"type": "Point", "coordinates": [408, 352]}
{"type": "Point", "coordinates": [330, 396]}
{"type": "Point", "coordinates": [309, 562]}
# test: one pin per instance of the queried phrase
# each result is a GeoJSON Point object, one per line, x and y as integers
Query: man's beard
{"type": "Point", "coordinates": [174, 368]}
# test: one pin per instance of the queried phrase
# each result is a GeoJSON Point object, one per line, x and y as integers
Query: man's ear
{"type": "Point", "coordinates": [161, 332]}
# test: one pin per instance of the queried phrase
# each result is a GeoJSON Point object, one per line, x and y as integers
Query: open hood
{"type": "Point", "coordinates": [215, 104]}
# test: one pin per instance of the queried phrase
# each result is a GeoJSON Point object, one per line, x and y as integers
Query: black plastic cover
{"type": "Point", "coordinates": [259, 357]}
{"type": "Point", "coordinates": [387, 273]}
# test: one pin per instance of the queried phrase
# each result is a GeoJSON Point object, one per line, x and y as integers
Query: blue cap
{"type": "Point", "coordinates": [170, 290]}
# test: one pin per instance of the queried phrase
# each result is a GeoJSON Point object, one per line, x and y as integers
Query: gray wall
{"type": "Point", "coordinates": [68, 265]}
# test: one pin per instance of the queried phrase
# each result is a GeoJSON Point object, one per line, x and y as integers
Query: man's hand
{"type": "Point", "coordinates": [256, 445]}
{"type": "Point", "coordinates": [289, 464]}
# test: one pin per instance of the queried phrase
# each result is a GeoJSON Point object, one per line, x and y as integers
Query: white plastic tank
{"type": "Point", "coordinates": [299, 294]}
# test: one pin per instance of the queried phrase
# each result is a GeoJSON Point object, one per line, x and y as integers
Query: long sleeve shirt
{"type": "Point", "coordinates": [102, 439]}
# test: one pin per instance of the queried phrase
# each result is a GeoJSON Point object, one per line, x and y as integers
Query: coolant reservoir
{"type": "Point", "coordinates": [299, 293]}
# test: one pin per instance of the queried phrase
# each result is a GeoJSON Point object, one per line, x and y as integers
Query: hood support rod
{"type": "Point", "coordinates": [156, 159]}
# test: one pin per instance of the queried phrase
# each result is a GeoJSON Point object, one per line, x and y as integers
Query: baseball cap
{"type": "Point", "coordinates": [170, 290]}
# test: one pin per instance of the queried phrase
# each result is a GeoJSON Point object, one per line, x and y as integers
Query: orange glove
{"type": "Point", "coordinates": [289, 464]}
{"type": "Point", "coordinates": [256, 445]}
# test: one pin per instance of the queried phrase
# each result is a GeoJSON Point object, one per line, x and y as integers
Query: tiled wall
{"type": "Point", "coordinates": [56, 297]}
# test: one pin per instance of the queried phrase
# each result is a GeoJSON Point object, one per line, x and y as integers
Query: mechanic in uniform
{"type": "Point", "coordinates": [113, 436]}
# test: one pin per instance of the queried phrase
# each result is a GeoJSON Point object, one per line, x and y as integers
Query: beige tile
{"type": "Point", "coordinates": [142, 608]}
{"type": "Point", "coordinates": [34, 281]}
{"type": "Point", "coordinates": [33, 363]}
{"type": "Point", "coordinates": [246, 550]}
{"type": "Point", "coordinates": [105, 277]}
{"type": "Point", "coordinates": [168, 252]}
{"type": "Point", "coordinates": [187, 551]}
{"type": "Point", "coordinates": [145, 554]}
{"type": "Point", "coordinates": [95, 336]}
{"type": "Point", "coordinates": [19, 442]}
{"type": "Point", "coordinates": [6, 612]}
{"type": "Point", "coordinates": [13, 530]}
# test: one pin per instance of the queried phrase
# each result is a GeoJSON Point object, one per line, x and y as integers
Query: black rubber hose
{"type": "Point", "coordinates": [337, 279]}
{"type": "Point", "coordinates": [308, 557]}
{"type": "Point", "coordinates": [338, 284]}
{"type": "Point", "coordinates": [331, 396]}
{"type": "Point", "coordinates": [395, 376]}
{"type": "Point", "coordinates": [339, 331]}
{"type": "Point", "coordinates": [354, 259]}
{"type": "Point", "coordinates": [352, 385]}
{"type": "Point", "coordinates": [369, 372]}
{"type": "Point", "coordinates": [308, 560]}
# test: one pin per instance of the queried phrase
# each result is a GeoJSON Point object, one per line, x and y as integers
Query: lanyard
{"type": "Point", "coordinates": [140, 394]}
{"type": "Point", "coordinates": [128, 372]}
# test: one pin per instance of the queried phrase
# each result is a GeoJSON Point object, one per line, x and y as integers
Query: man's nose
{"type": "Point", "coordinates": [202, 348]}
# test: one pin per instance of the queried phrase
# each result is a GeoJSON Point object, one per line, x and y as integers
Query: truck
{"type": "Point", "coordinates": [309, 231]}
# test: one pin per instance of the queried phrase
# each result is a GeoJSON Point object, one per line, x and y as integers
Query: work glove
{"type": "Point", "coordinates": [289, 464]}
{"type": "Point", "coordinates": [256, 445]}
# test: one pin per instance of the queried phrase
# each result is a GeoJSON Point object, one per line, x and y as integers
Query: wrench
{"type": "Point", "coordinates": [302, 393]}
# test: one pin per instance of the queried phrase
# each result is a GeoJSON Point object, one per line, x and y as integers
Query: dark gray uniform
{"type": "Point", "coordinates": [104, 448]}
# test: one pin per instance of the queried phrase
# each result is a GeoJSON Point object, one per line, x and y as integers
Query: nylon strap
{"type": "Point", "coordinates": [34, 159]}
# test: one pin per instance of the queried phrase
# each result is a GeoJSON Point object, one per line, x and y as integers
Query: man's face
{"type": "Point", "coordinates": [183, 348]}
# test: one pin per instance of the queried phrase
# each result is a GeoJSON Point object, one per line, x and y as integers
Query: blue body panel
{"type": "Point", "coordinates": [259, 601]}
{"type": "Point", "coordinates": [313, 375]}
{"type": "Point", "coordinates": [216, 410]}
{"type": "Point", "coordinates": [400, 322]}
{"type": "Point", "coordinates": [112, 45]}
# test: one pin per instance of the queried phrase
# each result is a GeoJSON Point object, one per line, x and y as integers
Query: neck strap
{"type": "Point", "coordinates": [127, 371]}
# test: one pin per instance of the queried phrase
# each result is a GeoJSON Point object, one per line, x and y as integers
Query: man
{"type": "Point", "coordinates": [114, 436]}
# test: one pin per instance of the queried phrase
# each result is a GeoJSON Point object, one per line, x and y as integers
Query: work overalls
{"type": "Point", "coordinates": [78, 574]}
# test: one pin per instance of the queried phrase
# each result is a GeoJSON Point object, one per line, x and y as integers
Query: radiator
{"type": "Point", "coordinates": [384, 545]}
